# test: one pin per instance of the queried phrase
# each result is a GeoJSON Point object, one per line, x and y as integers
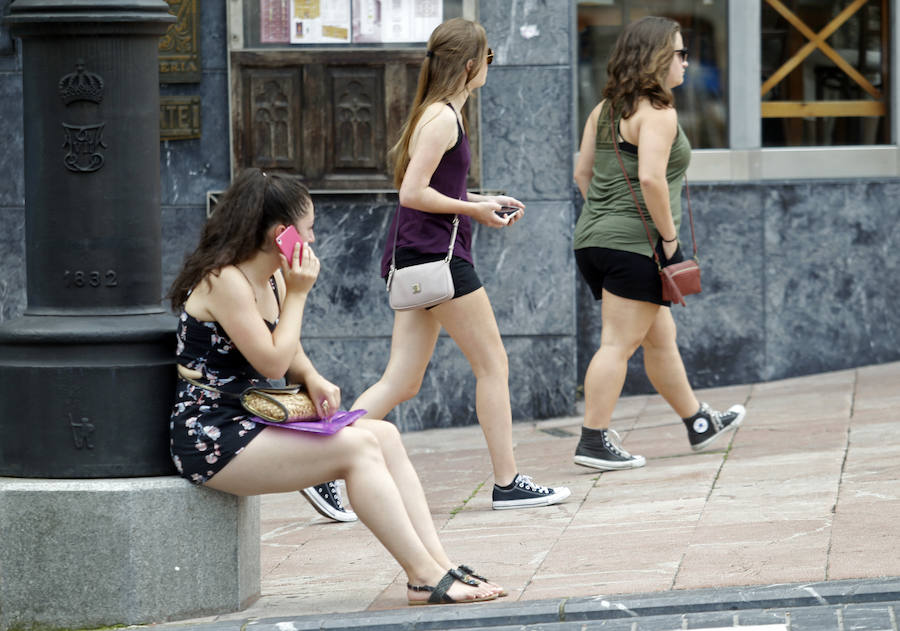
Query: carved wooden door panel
{"type": "Point", "coordinates": [327, 115]}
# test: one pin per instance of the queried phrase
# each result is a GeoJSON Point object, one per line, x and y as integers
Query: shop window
{"type": "Point", "coordinates": [824, 72]}
{"type": "Point", "coordinates": [702, 99]}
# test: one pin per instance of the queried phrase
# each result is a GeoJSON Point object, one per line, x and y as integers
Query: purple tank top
{"type": "Point", "coordinates": [429, 233]}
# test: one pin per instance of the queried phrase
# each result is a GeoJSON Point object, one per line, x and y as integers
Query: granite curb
{"type": "Point", "coordinates": [756, 605]}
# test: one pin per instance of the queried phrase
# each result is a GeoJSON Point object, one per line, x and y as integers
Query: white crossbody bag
{"type": "Point", "coordinates": [423, 285]}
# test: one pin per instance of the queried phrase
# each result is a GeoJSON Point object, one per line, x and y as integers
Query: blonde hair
{"type": "Point", "coordinates": [451, 46]}
{"type": "Point", "coordinates": [639, 64]}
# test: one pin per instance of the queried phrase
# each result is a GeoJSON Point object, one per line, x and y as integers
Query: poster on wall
{"type": "Point", "coordinates": [395, 21]}
{"type": "Point", "coordinates": [347, 21]}
{"type": "Point", "coordinates": [320, 21]}
{"type": "Point", "coordinates": [274, 21]}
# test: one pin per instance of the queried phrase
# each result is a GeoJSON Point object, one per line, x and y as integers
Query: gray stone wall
{"type": "Point", "coordinates": [190, 168]}
{"type": "Point", "coordinates": [12, 184]}
{"type": "Point", "coordinates": [797, 275]}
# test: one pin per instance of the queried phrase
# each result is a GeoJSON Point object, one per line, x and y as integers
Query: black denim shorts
{"type": "Point", "coordinates": [625, 274]}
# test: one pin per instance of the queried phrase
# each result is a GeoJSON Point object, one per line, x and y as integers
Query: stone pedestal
{"type": "Point", "coordinates": [83, 554]}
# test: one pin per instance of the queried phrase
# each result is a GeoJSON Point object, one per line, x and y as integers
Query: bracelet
{"type": "Point", "coordinates": [669, 240]}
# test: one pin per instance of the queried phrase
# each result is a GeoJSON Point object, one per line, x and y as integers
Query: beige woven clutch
{"type": "Point", "coordinates": [279, 406]}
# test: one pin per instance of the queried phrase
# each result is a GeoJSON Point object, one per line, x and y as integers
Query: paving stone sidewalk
{"type": "Point", "coordinates": [805, 491]}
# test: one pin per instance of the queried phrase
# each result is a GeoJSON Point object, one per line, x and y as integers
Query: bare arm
{"type": "Point", "coordinates": [584, 165]}
{"type": "Point", "coordinates": [435, 134]}
{"type": "Point", "coordinates": [230, 302]}
{"type": "Point", "coordinates": [656, 132]}
{"type": "Point", "coordinates": [301, 369]}
{"type": "Point", "coordinates": [324, 394]}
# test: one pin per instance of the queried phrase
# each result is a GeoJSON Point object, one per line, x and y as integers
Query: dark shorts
{"type": "Point", "coordinates": [465, 278]}
{"type": "Point", "coordinates": [625, 274]}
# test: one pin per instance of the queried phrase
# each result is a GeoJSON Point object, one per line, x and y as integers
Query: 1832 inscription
{"type": "Point", "coordinates": [90, 278]}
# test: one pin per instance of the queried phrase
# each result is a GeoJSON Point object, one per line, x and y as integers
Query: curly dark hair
{"type": "Point", "coordinates": [639, 64]}
{"type": "Point", "coordinates": [255, 201]}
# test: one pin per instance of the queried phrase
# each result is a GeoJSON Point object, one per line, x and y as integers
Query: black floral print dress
{"type": "Point", "coordinates": [207, 429]}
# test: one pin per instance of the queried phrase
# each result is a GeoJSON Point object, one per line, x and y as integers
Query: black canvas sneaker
{"type": "Point", "coordinates": [708, 424]}
{"type": "Point", "coordinates": [524, 493]}
{"type": "Point", "coordinates": [326, 499]}
{"type": "Point", "coordinates": [602, 449]}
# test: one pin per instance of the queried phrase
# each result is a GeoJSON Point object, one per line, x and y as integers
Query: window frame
{"type": "Point", "coordinates": [746, 159]}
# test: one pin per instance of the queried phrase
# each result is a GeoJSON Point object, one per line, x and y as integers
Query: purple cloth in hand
{"type": "Point", "coordinates": [337, 422]}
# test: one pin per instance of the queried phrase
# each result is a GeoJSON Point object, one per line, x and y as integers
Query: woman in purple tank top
{"type": "Point", "coordinates": [431, 162]}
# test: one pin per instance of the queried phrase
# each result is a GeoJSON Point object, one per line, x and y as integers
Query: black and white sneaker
{"type": "Point", "coordinates": [522, 492]}
{"type": "Point", "coordinates": [602, 449]}
{"type": "Point", "coordinates": [708, 424]}
{"type": "Point", "coordinates": [326, 499]}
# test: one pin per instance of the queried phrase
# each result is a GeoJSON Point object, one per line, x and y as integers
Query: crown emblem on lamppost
{"type": "Point", "coordinates": [81, 86]}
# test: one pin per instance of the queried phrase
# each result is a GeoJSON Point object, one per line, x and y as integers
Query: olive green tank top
{"type": "Point", "coordinates": [609, 218]}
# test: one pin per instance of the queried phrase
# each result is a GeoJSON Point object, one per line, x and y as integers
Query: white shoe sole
{"type": "Point", "coordinates": [325, 509]}
{"type": "Point", "coordinates": [560, 493]}
{"type": "Point", "coordinates": [742, 412]}
{"type": "Point", "coordinates": [610, 465]}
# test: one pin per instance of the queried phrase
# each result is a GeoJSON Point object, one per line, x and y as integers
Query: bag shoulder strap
{"type": "Point", "coordinates": [397, 234]}
{"type": "Point", "coordinates": [615, 141]}
{"type": "Point", "coordinates": [267, 390]}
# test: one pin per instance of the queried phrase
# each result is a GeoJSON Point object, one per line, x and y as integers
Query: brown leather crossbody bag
{"type": "Point", "coordinates": [679, 279]}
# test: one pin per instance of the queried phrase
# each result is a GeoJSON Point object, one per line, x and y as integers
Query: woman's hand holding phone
{"type": "Point", "coordinates": [286, 240]}
{"type": "Point", "coordinates": [299, 264]}
{"type": "Point", "coordinates": [510, 208]}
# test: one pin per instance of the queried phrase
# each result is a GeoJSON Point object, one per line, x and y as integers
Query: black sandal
{"type": "Point", "coordinates": [439, 594]}
{"type": "Point", "coordinates": [466, 570]}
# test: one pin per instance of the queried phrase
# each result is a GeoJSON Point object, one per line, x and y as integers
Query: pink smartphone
{"type": "Point", "coordinates": [285, 242]}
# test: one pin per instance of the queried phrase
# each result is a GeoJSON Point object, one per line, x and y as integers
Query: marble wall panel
{"type": "Point", "coordinates": [181, 227]}
{"type": "Point", "coordinates": [541, 378]}
{"type": "Point", "coordinates": [9, 60]}
{"type": "Point", "coordinates": [349, 298]}
{"type": "Point", "coordinates": [542, 375]}
{"type": "Point", "coordinates": [12, 158]}
{"type": "Point", "coordinates": [214, 36]}
{"type": "Point", "coordinates": [12, 262]}
{"type": "Point", "coordinates": [190, 168]}
{"type": "Point", "coordinates": [526, 132]}
{"type": "Point", "coordinates": [832, 264]}
{"type": "Point", "coordinates": [527, 32]}
{"type": "Point", "coordinates": [527, 270]}
{"type": "Point", "coordinates": [721, 331]}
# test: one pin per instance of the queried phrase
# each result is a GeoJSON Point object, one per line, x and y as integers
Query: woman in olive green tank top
{"type": "Point", "coordinates": [611, 246]}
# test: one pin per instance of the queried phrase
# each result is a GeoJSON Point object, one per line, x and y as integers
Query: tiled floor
{"type": "Point", "coordinates": [807, 490]}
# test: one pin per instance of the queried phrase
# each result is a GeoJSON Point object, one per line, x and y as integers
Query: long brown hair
{"type": "Point", "coordinates": [451, 45]}
{"type": "Point", "coordinates": [639, 65]}
{"type": "Point", "coordinates": [237, 229]}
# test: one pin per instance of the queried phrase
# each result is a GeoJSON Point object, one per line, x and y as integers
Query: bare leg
{"type": "Point", "coordinates": [665, 369]}
{"type": "Point", "coordinates": [625, 324]}
{"type": "Point", "coordinates": [279, 461]}
{"type": "Point", "coordinates": [410, 487]}
{"type": "Point", "coordinates": [470, 322]}
{"type": "Point", "coordinates": [412, 344]}
{"type": "Point", "coordinates": [407, 481]}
